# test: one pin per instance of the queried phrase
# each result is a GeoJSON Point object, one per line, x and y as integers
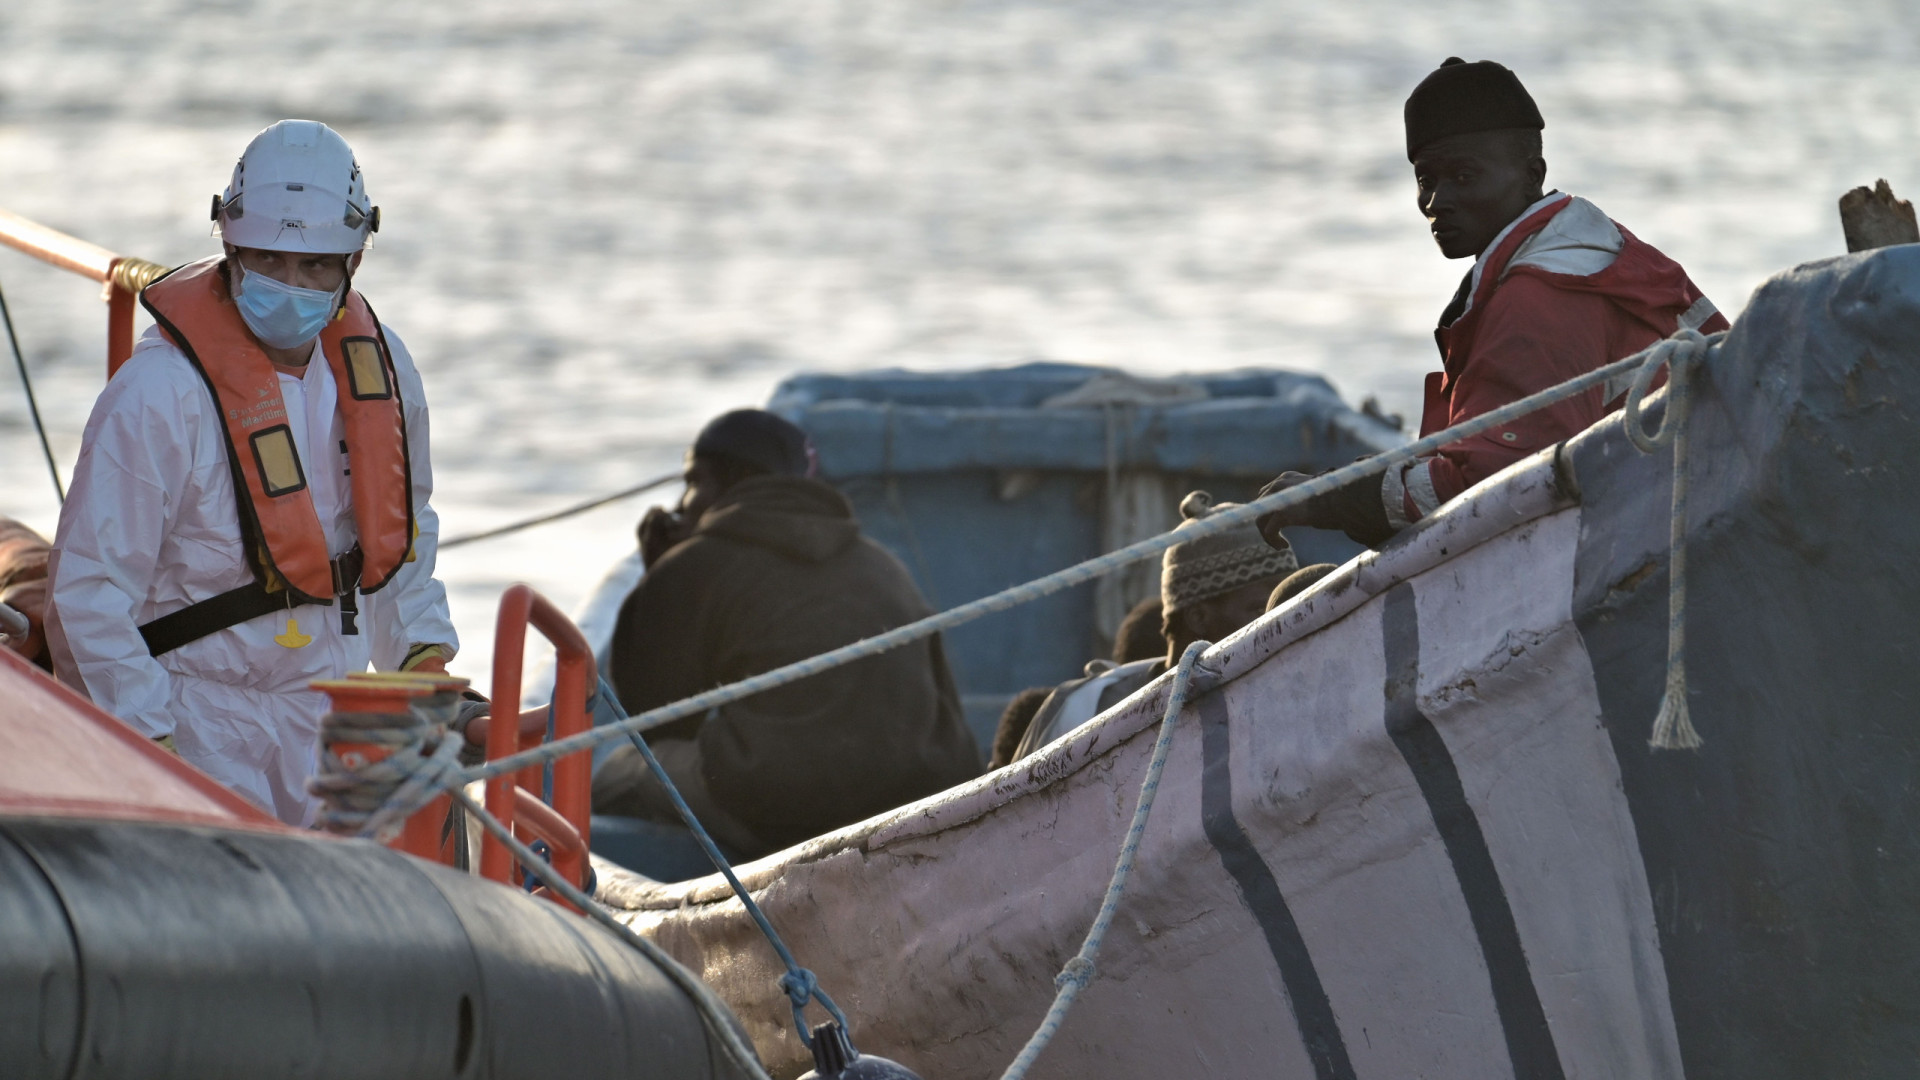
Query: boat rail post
{"type": "Point", "coordinates": [507, 794]}
{"type": "Point", "coordinates": [119, 322]}
{"type": "Point", "coordinates": [121, 276]}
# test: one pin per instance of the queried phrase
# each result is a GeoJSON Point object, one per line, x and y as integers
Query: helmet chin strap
{"type": "Point", "coordinates": [346, 287]}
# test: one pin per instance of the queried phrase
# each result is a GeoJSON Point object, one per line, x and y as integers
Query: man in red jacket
{"type": "Point", "coordinates": [1557, 289]}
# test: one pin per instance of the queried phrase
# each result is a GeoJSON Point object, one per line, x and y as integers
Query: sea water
{"type": "Point", "coordinates": [605, 221]}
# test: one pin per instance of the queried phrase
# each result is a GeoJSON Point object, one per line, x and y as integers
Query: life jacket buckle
{"type": "Point", "coordinates": [346, 588]}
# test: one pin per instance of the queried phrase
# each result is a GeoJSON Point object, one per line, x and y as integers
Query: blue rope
{"type": "Point", "coordinates": [801, 985]}
{"type": "Point", "coordinates": [714, 1013]}
{"type": "Point", "coordinates": [33, 407]}
{"type": "Point", "coordinates": [1079, 971]}
{"type": "Point", "coordinates": [1078, 574]}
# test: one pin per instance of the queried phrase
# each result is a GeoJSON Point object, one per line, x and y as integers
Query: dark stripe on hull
{"type": "Point", "coordinates": [1529, 1040]}
{"type": "Point", "coordinates": [1312, 1012]}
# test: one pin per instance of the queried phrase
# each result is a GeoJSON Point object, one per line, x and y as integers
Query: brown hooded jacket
{"type": "Point", "coordinates": [775, 572]}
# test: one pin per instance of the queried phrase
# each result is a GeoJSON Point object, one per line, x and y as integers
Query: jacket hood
{"type": "Point", "coordinates": [1579, 248]}
{"type": "Point", "coordinates": [1577, 240]}
{"type": "Point", "coordinates": [1583, 250]}
{"type": "Point", "coordinates": [790, 515]}
{"type": "Point", "coordinates": [1580, 240]}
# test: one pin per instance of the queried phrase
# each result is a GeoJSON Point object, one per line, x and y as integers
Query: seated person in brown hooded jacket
{"type": "Point", "coordinates": [760, 567]}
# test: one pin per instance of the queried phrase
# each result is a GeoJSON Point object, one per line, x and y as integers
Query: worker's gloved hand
{"type": "Point", "coordinates": [1270, 524]}
{"type": "Point", "coordinates": [430, 658]}
{"type": "Point", "coordinates": [1355, 509]}
{"type": "Point", "coordinates": [472, 707]}
{"type": "Point", "coordinates": [659, 531]}
{"type": "Point", "coordinates": [29, 598]}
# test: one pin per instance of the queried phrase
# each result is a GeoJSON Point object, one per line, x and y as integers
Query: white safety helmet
{"type": "Point", "coordinates": [297, 188]}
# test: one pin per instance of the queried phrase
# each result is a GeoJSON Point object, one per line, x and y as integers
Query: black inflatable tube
{"type": "Point", "coordinates": [181, 953]}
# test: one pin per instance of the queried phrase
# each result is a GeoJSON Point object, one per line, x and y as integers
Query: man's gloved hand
{"type": "Point", "coordinates": [1355, 509]}
{"type": "Point", "coordinates": [472, 707]}
{"type": "Point", "coordinates": [659, 531]}
{"type": "Point", "coordinates": [29, 598]}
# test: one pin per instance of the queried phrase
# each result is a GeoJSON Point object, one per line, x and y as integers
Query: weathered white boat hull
{"type": "Point", "coordinates": [1415, 830]}
{"type": "Point", "coordinates": [1292, 866]}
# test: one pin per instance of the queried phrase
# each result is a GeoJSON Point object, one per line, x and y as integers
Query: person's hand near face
{"type": "Point", "coordinates": [661, 529]}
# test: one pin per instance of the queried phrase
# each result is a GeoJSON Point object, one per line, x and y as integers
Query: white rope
{"type": "Point", "coordinates": [1079, 971]}
{"type": "Point", "coordinates": [367, 797]}
{"type": "Point", "coordinates": [1077, 574]}
{"type": "Point", "coordinates": [557, 515]}
{"type": "Point", "coordinates": [1680, 354]}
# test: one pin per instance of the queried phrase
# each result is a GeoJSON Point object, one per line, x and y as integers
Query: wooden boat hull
{"type": "Point", "coordinates": [1415, 827]}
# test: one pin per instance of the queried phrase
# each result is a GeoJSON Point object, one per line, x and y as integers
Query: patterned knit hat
{"type": "Point", "coordinates": [1200, 569]}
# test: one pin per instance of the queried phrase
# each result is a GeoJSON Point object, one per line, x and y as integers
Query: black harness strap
{"type": "Point", "coordinates": [249, 601]}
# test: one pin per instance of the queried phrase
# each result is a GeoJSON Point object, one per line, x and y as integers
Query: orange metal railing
{"type": "Point", "coordinates": [121, 276]}
{"type": "Point", "coordinates": [565, 823]}
{"type": "Point", "coordinates": [511, 797]}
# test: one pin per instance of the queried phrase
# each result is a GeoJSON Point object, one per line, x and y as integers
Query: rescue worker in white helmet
{"type": "Point", "coordinates": [250, 508]}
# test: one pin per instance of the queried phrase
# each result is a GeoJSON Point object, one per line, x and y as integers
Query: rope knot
{"type": "Point", "coordinates": [1079, 971]}
{"type": "Point", "coordinates": [1679, 355]}
{"type": "Point", "coordinates": [800, 985]}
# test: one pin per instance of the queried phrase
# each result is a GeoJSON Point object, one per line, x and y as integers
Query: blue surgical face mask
{"type": "Point", "coordinates": [282, 315]}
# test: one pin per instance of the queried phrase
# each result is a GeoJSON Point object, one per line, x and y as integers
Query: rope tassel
{"type": "Point", "coordinates": [1681, 354]}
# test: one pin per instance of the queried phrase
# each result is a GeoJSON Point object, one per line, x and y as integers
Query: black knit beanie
{"type": "Point", "coordinates": [1458, 98]}
{"type": "Point", "coordinates": [758, 438]}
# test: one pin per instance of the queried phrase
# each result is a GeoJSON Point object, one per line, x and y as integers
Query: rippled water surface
{"type": "Point", "coordinates": [608, 220]}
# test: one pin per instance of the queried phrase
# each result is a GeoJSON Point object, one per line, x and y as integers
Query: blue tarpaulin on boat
{"type": "Point", "coordinates": [1241, 424]}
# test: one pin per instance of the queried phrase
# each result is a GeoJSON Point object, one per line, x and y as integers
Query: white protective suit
{"type": "Point", "coordinates": [150, 526]}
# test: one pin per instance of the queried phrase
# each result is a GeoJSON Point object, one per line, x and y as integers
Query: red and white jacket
{"type": "Point", "coordinates": [1561, 291]}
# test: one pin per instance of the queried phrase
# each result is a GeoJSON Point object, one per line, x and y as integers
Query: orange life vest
{"type": "Point", "coordinates": [284, 540]}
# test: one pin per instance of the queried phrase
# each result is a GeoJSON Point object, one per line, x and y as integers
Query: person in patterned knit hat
{"type": "Point", "coordinates": [1213, 585]}
{"type": "Point", "coordinates": [1210, 587]}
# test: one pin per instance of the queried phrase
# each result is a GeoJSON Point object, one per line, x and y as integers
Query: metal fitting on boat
{"type": "Point", "coordinates": [834, 1057]}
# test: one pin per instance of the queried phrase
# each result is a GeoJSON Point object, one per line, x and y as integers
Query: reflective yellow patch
{"type": "Point", "coordinates": [365, 371]}
{"type": "Point", "coordinates": [279, 466]}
